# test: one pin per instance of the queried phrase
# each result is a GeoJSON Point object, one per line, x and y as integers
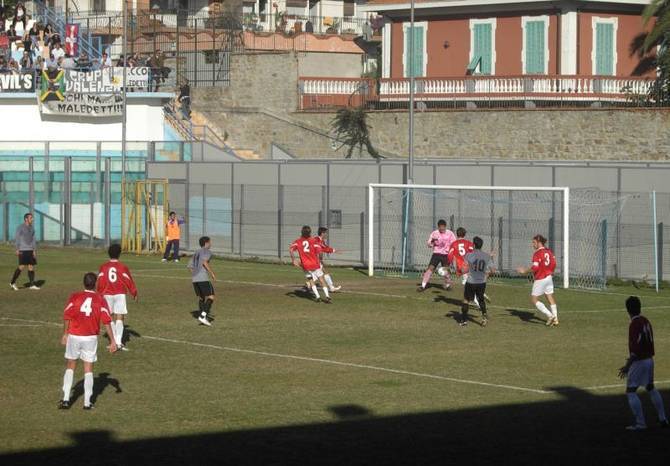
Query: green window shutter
{"type": "Point", "coordinates": [417, 53]}
{"type": "Point", "coordinates": [604, 49]}
{"type": "Point", "coordinates": [483, 46]}
{"type": "Point", "coordinates": [535, 47]}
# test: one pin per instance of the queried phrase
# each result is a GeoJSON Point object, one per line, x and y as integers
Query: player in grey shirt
{"type": "Point", "coordinates": [201, 273]}
{"type": "Point", "coordinates": [25, 250]}
{"type": "Point", "coordinates": [479, 265]}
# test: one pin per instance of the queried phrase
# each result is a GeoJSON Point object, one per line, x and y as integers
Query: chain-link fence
{"type": "Point", "coordinates": [76, 200]}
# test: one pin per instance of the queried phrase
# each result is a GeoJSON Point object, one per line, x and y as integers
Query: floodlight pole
{"type": "Point", "coordinates": [124, 116]}
{"type": "Point", "coordinates": [410, 165]}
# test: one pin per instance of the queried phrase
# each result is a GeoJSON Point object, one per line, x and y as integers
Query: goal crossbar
{"type": "Point", "coordinates": [566, 213]}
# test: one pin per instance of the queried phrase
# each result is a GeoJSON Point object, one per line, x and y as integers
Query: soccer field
{"type": "Point", "coordinates": [382, 375]}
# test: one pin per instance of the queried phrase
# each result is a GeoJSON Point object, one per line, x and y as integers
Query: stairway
{"type": "Point", "coordinates": [46, 15]}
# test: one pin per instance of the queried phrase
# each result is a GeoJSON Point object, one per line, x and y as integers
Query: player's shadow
{"type": "Point", "coordinates": [129, 333]}
{"type": "Point", "coordinates": [526, 316]}
{"type": "Point", "coordinates": [456, 316]}
{"type": "Point", "coordinates": [448, 300]}
{"type": "Point", "coordinates": [195, 314]}
{"type": "Point", "coordinates": [348, 412]}
{"type": "Point", "coordinates": [39, 283]}
{"type": "Point", "coordinates": [301, 293]}
{"type": "Point", "coordinates": [100, 383]}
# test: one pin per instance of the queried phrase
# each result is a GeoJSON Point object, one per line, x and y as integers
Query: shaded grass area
{"type": "Point", "coordinates": [382, 375]}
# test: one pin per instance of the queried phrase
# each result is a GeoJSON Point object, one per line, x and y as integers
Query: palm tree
{"type": "Point", "coordinates": [657, 37]}
{"type": "Point", "coordinates": [351, 129]}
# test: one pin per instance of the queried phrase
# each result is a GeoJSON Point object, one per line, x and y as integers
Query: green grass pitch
{"type": "Point", "coordinates": [382, 375]}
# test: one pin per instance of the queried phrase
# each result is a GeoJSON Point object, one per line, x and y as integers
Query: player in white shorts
{"type": "Point", "coordinates": [84, 313]}
{"type": "Point", "coordinates": [543, 266]}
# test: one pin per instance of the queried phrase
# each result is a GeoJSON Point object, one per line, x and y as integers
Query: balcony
{"type": "Point", "coordinates": [477, 92]}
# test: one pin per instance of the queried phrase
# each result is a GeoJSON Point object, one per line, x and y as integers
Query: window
{"type": "Point", "coordinates": [535, 54]}
{"type": "Point", "coordinates": [335, 219]}
{"type": "Point", "coordinates": [349, 8]}
{"type": "Point", "coordinates": [482, 46]}
{"type": "Point", "coordinates": [296, 7]}
{"type": "Point", "coordinates": [419, 55]}
{"type": "Point", "coordinates": [603, 53]}
{"type": "Point", "coordinates": [100, 6]}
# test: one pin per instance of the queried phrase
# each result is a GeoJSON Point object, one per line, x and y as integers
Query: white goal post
{"type": "Point", "coordinates": [374, 190]}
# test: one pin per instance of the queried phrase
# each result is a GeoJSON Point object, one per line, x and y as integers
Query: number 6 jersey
{"type": "Point", "coordinates": [114, 278]}
{"type": "Point", "coordinates": [86, 310]}
{"type": "Point", "coordinates": [544, 263]}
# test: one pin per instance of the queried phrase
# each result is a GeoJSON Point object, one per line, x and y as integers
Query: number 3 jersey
{"type": "Point", "coordinates": [544, 263]}
{"type": "Point", "coordinates": [86, 310]}
{"type": "Point", "coordinates": [114, 278]}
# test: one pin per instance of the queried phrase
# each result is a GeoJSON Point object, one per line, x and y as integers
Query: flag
{"type": "Point", "coordinates": [52, 85]}
{"type": "Point", "coordinates": [72, 39]}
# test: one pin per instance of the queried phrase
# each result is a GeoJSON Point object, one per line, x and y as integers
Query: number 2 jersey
{"type": "Point", "coordinates": [544, 263]}
{"type": "Point", "coordinates": [309, 250]}
{"type": "Point", "coordinates": [114, 278]}
{"type": "Point", "coordinates": [86, 310]}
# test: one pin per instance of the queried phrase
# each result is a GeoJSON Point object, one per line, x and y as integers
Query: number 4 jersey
{"type": "Point", "coordinates": [114, 278]}
{"type": "Point", "coordinates": [86, 310]}
{"type": "Point", "coordinates": [544, 263]}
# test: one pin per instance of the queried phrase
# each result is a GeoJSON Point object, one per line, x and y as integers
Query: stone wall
{"type": "Point", "coordinates": [260, 106]}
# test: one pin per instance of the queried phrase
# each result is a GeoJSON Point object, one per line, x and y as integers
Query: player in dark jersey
{"type": "Point", "coordinates": [639, 368]}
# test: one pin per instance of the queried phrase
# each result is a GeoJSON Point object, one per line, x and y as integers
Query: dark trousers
{"type": "Point", "coordinates": [170, 244]}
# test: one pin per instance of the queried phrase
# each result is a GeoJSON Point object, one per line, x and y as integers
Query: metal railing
{"type": "Point", "coordinates": [296, 24]}
{"type": "Point", "coordinates": [477, 92]}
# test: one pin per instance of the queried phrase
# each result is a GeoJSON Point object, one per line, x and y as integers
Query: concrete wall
{"type": "Point", "coordinates": [330, 65]}
{"type": "Point", "coordinates": [22, 122]}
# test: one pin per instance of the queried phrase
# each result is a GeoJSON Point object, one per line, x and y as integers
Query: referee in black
{"type": "Point", "coordinates": [25, 250]}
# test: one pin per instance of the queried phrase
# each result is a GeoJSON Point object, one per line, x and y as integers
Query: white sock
{"type": "Point", "coordinates": [543, 309]}
{"type": "Point", "coordinates": [88, 388]}
{"type": "Point", "coordinates": [636, 406]}
{"type": "Point", "coordinates": [325, 291]}
{"type": "Point", "coordinates": [316, 292]}
{"type": "Point", "coordinates": [67, 383]}
{"type": "Point", "coordinates": [476, 301]}
{"type": "Point", "coordinates": [118, 332]}
{"type": "Point", "coordinates": [329, 281]}
{"type": "Point", "coordinates": [464, 279]}
{"type": "Point", "coordinates": [554, 310]}
{"type": "Point", "coordinates": [658, 404]}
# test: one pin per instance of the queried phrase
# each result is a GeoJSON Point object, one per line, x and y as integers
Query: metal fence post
{"type": "Point", "coordinates": [280, 221]}
{"type": "Point", "coordinates": [659, 239]}
{"type": "Point", "coordinates": [501, 223]}
{"type": "Point", "coordinates": [232, 208]}
{"type": "Point", "coordinates": [31, 184]}
{"type": "Point", "coordinates": [67, 201]}
{"type": "Point", "coordinates": [92, 214]}
{"type": "Point", "coordinates": [603, 254]}
{"type": "Point", "coordinates": [108, 202]}
{"type": "Point", "coordinates": [204, 209]}
{"type": "Point", "coordinates": [241, 219]}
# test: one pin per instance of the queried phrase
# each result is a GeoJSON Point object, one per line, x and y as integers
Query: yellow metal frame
{"type": "Point", "coordinates": [139, 202]}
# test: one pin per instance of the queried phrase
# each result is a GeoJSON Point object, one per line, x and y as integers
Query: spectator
{"type": "Point", "coordinates": [58, 51]}
{"type": "Point", "coordinates": [13, 66]}
{"type": "Point", "coordinates": [38, 65]}
{"type": "Point", "coordinates": [4, 69]}
{"type": "Point", "coordinates": [20, 17]}
{"type": "Point", "coordinates": [51, 62]}
{"type": "Point", "coordinates": [83, 62]}
{"type": "Point", "coordinates": [105, 62]}
{"type": "Point", "coordinates": [26, 61]}
{"type": "Point", "coordinates": [184, 99]}
{"type": "Point", "coordinates": [12, 35]}
{"type": "Point", "coordinates": [67, 63]}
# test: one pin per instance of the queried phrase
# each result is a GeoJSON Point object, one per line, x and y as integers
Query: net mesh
{"type": "Point", "coordinates": [506, 220]}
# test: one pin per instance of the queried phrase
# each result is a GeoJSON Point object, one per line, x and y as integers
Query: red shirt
{"type": "Point", "coordinates": [640, 338]}
{"type": "Point", "coordinates": [459, 249]}
{"type": "Point", "coordinates": [114, 278]}
{"type": "Point", "coordinates": [85, 310]}
{"type": "Point", "coordinates": [309, 250]}
{"type": "Point", "coordinates": [544, 263]}
{"type": "Point", "coordinates": [324, 248]}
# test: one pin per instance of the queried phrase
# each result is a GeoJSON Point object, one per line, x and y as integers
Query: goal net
{"type": "Point", "coordinates": [575, 222]}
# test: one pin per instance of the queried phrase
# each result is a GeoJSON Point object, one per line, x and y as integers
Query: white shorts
{"type": "Point", "coordinates": [116, 303]}
{"type": "Point", "coordinates": [544, 286]}
{"type": "Point", "coordinates": [84, 348]}
{"type": "Point", "coordinates": [315, 274]}
{"type": "Point", "coordinates": [641, 373]}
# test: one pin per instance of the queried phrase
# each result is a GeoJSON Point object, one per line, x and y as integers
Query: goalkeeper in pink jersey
{"type": "Point", "coordinates": [440, 241]}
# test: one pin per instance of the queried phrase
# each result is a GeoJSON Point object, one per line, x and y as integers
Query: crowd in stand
{"type": "Point", "coordinates": [40, 47]}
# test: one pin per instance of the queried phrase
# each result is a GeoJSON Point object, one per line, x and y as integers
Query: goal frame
{"type": "Point", "coordinates": [566, 214]}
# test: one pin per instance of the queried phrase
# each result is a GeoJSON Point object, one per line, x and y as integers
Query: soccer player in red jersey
{"type": "Point", "coordinates": [84, 312]}
{"type": "Point", "coordinates": [457, 253]}
{"type": "Point", "coordinates": [308, 249]}
{"type": "Point", "coordinates": [639, 367]}
{"type": "Point", "coordinates": [321, 238]}
{"type": "Point", "coordinates": [543, 266]}
{"type": "Point", "coordinates": [114, 280]}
